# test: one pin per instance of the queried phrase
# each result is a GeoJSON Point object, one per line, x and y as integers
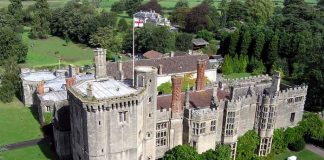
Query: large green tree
{"type": "Point", "coordinates": [260, 11]}
{"type": "Point", "coordinates": [106, 38]}
{"type": "Point", "coordinates": [41, 20]}
{"type": "Point", "coordinates": [247, 145]}
{"type": "Point", "coordinates": [183, 41]}
{"type": "Point", "coordinates": [222, 152]}
{"type": "Point", "coordinates": [10, 80]}
{"type": "Point", "coordinates": [181, 152]}
{"type": "Point", "coordinates": [279, 144]}
{"type": "Point", "coordinates": [11, 45]}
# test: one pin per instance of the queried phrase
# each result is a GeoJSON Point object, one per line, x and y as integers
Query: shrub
{"type": "Point", "coordinates": [297, 145]}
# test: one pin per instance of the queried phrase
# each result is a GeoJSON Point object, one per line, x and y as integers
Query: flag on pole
{"type": "Point", "coordinates": [138, 23]}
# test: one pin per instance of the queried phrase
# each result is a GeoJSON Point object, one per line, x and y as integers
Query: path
{"type": "Point", "coordinates": [26, 143]}
{"type": "Point", "coordinates": [315, 149]}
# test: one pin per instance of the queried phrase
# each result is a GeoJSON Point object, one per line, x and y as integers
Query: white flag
{"type": "Point", "coordinates": [138, 22]}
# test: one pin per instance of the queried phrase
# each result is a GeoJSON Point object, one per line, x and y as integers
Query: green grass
{"type": "Point", "coordinates": [52, 3]}
{"type": "Point", "coordinates": [37, 152]}
{"type": "Point", "coordinates": [17, 123]}
{"type": "Point", "coordinates": [45, 52]}
{"type": "Point", "coordinates": [302, 155]}
{"type": "Point", "coordinates": [237, 75]}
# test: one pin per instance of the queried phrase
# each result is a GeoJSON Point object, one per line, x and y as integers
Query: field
{"type": "Point", "coordinates": [52, 3]}
{"type": "Point", "coordinates": [17, 123]}
{"type": "Point", "coordinates": [237, 75]}
{"type": "Point", "coordinates": [302, 155]}
{"type": "Point", "coordinates": [46, 52]}
{"type": "Point", "coordinates": [37, 152]}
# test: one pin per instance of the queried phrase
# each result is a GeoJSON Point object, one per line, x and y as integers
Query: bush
{"type": "Point", "coordinates": [297, 145]}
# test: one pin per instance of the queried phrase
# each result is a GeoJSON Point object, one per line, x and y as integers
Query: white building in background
{"type": "Point", "coordinates": [152, 17]}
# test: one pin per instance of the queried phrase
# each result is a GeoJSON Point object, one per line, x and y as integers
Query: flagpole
{"type": "Point", "coordinates": [133, 53]}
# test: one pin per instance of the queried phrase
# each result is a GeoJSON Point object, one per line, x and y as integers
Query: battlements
{"type": "Point", "coordinates": [297, 89]}
{"type": "Point", "coordinates": [205, 113]}
{"type": "Point", "coordinates": [247, 80]}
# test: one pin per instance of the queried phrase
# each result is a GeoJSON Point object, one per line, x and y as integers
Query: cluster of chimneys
{"type": "Point", "coordinates": [41, 90]}
{"type": "Point", "coordinates": [176, 102]}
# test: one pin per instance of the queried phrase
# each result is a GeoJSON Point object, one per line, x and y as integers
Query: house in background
{"type": "Point", "coordinates": [199, 43]}
{"type": "Point", "coordinates": [152, 17]}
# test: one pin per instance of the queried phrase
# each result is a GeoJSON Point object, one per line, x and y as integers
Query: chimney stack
{"type": "Point", "coordinates": [275, 87]}
{"type": "Point", "coordinates": [40, 88]}
{"type": "Point", "coordinates": [176, 105]}
{"type": "Point", "coordinates": [120, 75]}
{"type": "Point", "coordinates": [100, 63]}
{"type": "Point", "coordinates": [69, 82]}
{"type": "Point", "coordinates": [160, 69]}
{"type": "Point", "coordinates": [200, 81]}
{"type": "Point", "coordinates": [89, 90]}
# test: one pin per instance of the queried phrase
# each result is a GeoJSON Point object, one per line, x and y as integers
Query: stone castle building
{"type": "Point", "coordinates": [107, 118]}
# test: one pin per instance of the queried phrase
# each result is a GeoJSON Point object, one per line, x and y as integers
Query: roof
{"type": "Point", "coordinates": [104, 88]}
{"type": "Point", "coordinates": [199, 42]}
{"type": "Point", "coordinates": [170, 65]}
{"type": "Point", "coordinates": [197, 99]}
{"type": "Point", "coordinates": [152, 54]}
{"type": "Point", "coordinates": [38, 76]}
{"type": "Point", "coordinates": [56, 84]}
{"type": "Point", "coordinates": [55, 96]}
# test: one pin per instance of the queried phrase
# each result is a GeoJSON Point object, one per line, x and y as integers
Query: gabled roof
{"type": "Point", "coordinates": [199, 42]}
{"type": "Point", "coordinates": [171, 65]}
{"type": "Point", "coordinates": [152, 54]}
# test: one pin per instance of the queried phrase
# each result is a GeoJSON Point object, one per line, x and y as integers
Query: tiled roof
{"type": "Point", "coordinates": [197, 99]}
{"type": "Point", "coordinates": [170, 65]}
{"type": "Point", "coordinates": [152, 54]}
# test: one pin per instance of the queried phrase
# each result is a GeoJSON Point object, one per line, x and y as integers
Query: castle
{"type": "Point", "coordinates": [108, 118]}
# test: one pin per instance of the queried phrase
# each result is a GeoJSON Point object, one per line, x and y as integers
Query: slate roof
{"type": "Point", "coordinates": [197, 99]}
{"type": "Point", "coordinates": [199, 42]}
{"type": "Point", "coordinates": [152, 54]}
{"type": "Point", "coordinates": [38, 76]}
{"type": "Point", "coordinates": [170, 65]}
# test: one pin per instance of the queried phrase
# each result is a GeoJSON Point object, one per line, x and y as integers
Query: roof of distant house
{"type": "Point", "coordinates": [199, 42]}
{"type": "Point", "coordinates": [170, 65]}
{"type": "Point", "coordinates": [152, 54]}
{"type": "Point", "coordinates": [197, 99]}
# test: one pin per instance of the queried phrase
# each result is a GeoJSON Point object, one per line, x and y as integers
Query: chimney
{"type": "Point", "coordinates": [69, 82]}
{"type": "Point", "coordinates": [72, 70]}
{"type": "Point", "coordinates": [40, 88]}
{"type": "Point", "coordinates": [160, 69]}
{"type": "Point", "coordinates": [275, 87]}
{"type": "Point", "coordinates": [89, 90]}
{"type": "Point", "coordinates": [171, 54]}
{"type": "Point", "coordinates": [100, 63]}
{"type": "Point", "coordinates": [176, 105]}
{"type": "Point", "coordinates": [187, 97]}
{"type": "Point", "coordinates": [200, 81]}
{"type": "Point", "coordinates": [120, 75]}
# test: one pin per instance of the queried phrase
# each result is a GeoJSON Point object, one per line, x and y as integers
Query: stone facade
{"type": "Point", "coordinates": [110, 119]}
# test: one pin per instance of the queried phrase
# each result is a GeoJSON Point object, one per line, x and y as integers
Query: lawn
{"type": "Point", "coordinates": [17, 123]}
{"type": "Point", "coordinates": [237, 75]}
{"type": "Point", "coordinates": [46, 52]}
{"type": "Point", "coordinates": [52, 3]}
{"type": "Point", "coordinates": [37, 152]}
{"type": "Point", "coordinates": [302, 155]}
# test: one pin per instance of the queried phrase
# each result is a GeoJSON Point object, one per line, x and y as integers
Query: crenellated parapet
{"type": "Point", "coordinates": [247, 80]}
{"type": "Point", "coordinates": [203, 114]}
{"type": "Point", "coordinates": [294, 91]}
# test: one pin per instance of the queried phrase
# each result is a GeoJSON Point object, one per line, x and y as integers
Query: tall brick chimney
{"type": "Point", "coordinates": [200, 81]}
{"type": "Point", "coordinates": [176, 105]}
{"type": "Point", "coordinates": [40, 88]}
{"type": "Point", "coordinates": [160, 69]}
{"type": "Point", "coordinates": [69, 82]}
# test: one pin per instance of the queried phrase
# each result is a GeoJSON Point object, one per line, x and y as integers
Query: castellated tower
{"type": "Point", "coordinates": [100, 63]}
{"type": "Point", "coordinates": [111, 120]}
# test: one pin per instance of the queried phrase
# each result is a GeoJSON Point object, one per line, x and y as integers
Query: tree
{"type": "Point", "coordinates": [258, 44]}
{"type": "Point", "coordinates": [11, 45]}
{"type": "Point", "coordinates": [236, 11]}
{"type": "Point", "coordinates": [293, 134]}
{"type": "Point", "coordinates": [242, 63]}
{"type": "Point", "coordinates": [227, 67]}
{"type": "Point", "coordinates": [118, 6]}
{"type": "Point", "coordinates": [41, 20]}
{"type": "Point", "coordinates": [222, 152]}
{"type": "Point", "coordinates": [279, 143]}
{"type": "Point", "coordinates": [105, 38]}
{"type": "Point", "coordinates": [183, 41]}
{"type": "Point", "coordinates": [179, 16]}
{"type": "Point", "coordinates": [197, 18]}
{"type": "Point", "coordinates": [165, 88]}
{"type": "Point", "coordinates": [272, 51]}
{"type": "Point", "coordinates": [256, 66]}
{"type": "Point", "coordinates": [132, 6]}
{"type": "Point", "coordinates": [151, 5]}
{"type": "Point", "coordinates": [245, 41]}
{"type": "Point", "coordinates": [297, 145]}
{"type": "Point", "coordinates": [312, 126]}
{"type": "Point", "coordinates": [181, 152]}
{"type": "Point", "coordinates": [106, 19]}
{"type": "Point", "coordinates": [205, 34]}
{"type": "Point", "coordinates": [247, 145]}
{"type": "Point", "coordinates": [122, 25]}
{"type": "Point", "coordinates": [181, 4]}
{"type": "Point", "coordinates": [259, 10]}
{"type": "Point", "coordinates": [10, 80]}
{"type": "Point", "coordinates": [234, 38]}
{"type": "Point", "coordinates": [15, 8]}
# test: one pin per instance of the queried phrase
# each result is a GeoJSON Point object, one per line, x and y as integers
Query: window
{"type": "Point", "coordinates": [150, 99]}
{"type": "Point", "coordinates": [230, 120]}
{"type": "Point", "coordinates": [213, 125]}
{"type": "Point", "coordinates": [161, 134]}
{"type": "Point", "coordinates": [292, 117]}
{"type": "Point", "coordinates": [298, 99]}
{"type": "Point", "coordinates": [290, 100]}
{"type": "Point", "coordinates": [194, 144]}
{"type": "Point", "coordinates": [99, 123]}
{"type": "Point", "coordinates": [48, 108]}
{"type": "Point", "coordinates": [123, 116]}
{"type": "Point", "coordinates": [202, 127]}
